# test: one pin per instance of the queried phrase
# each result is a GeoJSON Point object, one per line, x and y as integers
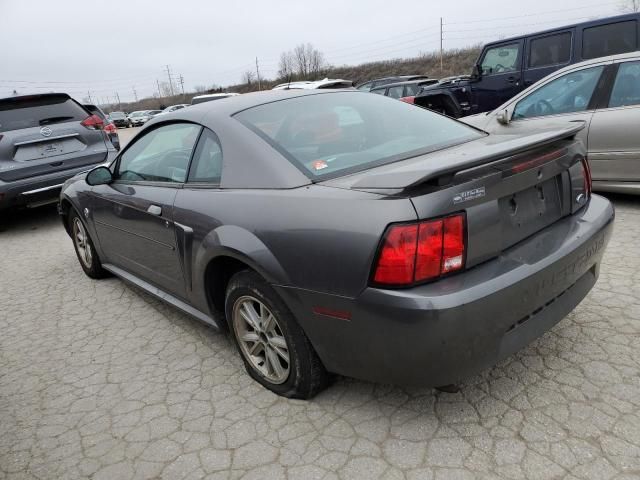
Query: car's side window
{"type": "Point", "coordinates": [206, 166]}
{"type": "Point", "coordinates": [501, 59]}
{"type": "Point", "coordinates": [626, 89]}
{"type": "Point", "coordinates": [366, 86]}
{"type": "Point", "coordinates": [609, 39]}
{"type": "Point", "coordinates": [161, 155]}
{"type": "Point", "coordinates": [569, 93]}
{"type": "Point", "coordinates": [379, 91]}
{"type": "Point", "coordinates": [550, 50]}
{"type": "Point", "coordinates": [396, 92]}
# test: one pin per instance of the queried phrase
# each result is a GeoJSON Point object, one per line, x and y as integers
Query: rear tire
{"type": "Point", "coordinates": [83, 245]}
{"type": "Point", "coordinates": [275, 350]}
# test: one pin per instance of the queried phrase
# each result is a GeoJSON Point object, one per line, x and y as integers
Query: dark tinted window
{"type": "Point", "coordinates": [336, 133]}
{"type": "Point", "coordinates": [37, 111]}
{"type": "Point", "coordinates": [206, 165]}
{"type": "Point", "coordinates": [412, 89]}
{"type": "Point", "coordinates": [609, 39]}
{"type": "Point", "coordinates": [551, 50]}
{"type": "Point", "coordinates": [626, 89]}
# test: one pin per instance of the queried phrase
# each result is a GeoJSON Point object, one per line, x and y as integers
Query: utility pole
{"type": "Point", "coordinates": [182, 83]}
{"type": "Point", "coordinates": [159, 91]}
{"type": "Point", "coordinates": [89, 93]}
{"type": "Point", "coordinates": [258, 74]}
{"type": "Point", "coordinates": [118, 97]}
{"type": "Point", "coordinates": [135, 94]}
{"type": "Point", "coordinates": [170, 81]}
{"type": "Point", "coordinates": [441, 53]}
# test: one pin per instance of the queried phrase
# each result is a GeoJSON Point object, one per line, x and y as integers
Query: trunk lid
{"type": "Point", "coordinates": [509, 187]}
{"type": "Point", "coordinates": [41, 134]}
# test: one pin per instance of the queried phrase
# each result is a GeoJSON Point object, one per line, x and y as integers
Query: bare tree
{"type": "Point", "coordinates": [629, 6]}
{"type": "Point", "coordinates": [248, 77]}
{"type": "Point", "coordinates": [165, 88]}
{"type": "Point", "coordinates": [286, 66]}
{"type": "Point", "coordinates": [304, 61]}
{"type": "Point", "coordinates": [200, 88]}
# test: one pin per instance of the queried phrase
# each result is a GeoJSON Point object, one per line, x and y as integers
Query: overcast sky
{"type": "Point", "coordinates": [109, 46]}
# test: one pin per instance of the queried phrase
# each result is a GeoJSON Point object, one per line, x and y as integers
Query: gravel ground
{"type": "Point", "coordinates": [100, 381]}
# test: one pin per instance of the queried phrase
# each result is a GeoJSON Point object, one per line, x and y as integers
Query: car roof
{"type": "Point", "coordinates": [229, 106]}
{"type": "Point", "coordinates": [214, 95]}
{"type": "Point", "coordinates": [594, 22]}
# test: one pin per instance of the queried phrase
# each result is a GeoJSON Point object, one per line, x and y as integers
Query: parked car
{"type": "Point", "coordinates": [109, 128]}
{"type": "Point", "coordinates": [404, 91]}
{"type": "Point", "coordinates": [153, 113]}
{"type": "Point", "coordinates": [508, 66]}
{"type": "Point", "coordinates": [211, 97]}
{"type": "Point", "coordinates": [346, 232]}
{"type": "Point", "coordinates": [44, 140]}
{"type": "Point", "coordinates": [173, 108]}
{"type": "Point", "coordinates": [604, 94]}
{"type": "Point", "coordinates": [371, 84]}
{"type": "Point", "coordinates": [312, 85]}
{"type": "Point", "coordinates": [138, 118]}
{"type": "Point", "coordinates": [120, 119]}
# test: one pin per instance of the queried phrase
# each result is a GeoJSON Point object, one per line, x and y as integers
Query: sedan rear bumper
{"type": "Point", "coordinates": [440, 333]}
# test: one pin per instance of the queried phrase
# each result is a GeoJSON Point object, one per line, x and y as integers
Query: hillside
{"type": "Point", "coordinates": [455, 62]}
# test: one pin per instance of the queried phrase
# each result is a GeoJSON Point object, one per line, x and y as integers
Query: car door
{"type": "Point", "coordinates": [614, 135]}
{"type": "Point", "coordinates": [500, 76]}
{"type": "Point", "coordinates": [568, 97]}
{"type": "Point", "coordinates": [133, 215]}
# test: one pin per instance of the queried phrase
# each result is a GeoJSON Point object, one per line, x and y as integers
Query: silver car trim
{"type": "Point", "coordinates": [43, 189]}
{"type": "Point", "coordinates": [45, 139]}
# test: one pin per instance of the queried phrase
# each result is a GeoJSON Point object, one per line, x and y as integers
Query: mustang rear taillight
{"type": "Point", "coordinates": [93, 122]}
{"type": "Point", "coordinates": [417, 252]}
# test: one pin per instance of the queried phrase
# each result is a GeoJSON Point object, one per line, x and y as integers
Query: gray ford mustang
{"type": "Point", "coordinates": [342, 232]}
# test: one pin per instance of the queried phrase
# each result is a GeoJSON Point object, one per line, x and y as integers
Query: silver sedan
{"type": "Point", "coordinates": [605, 94]}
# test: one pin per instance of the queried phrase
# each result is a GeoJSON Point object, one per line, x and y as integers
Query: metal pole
{"type": "Point", "coordinates": [159, 91]}
{"type": "Point", "coordinates": [170, 82]}
{"type": "Point", "coordinates": [441, 53]}
{"type": "Point", "coordinates": [258, 74]}
{"type": "Point", "coordinates": [118, 97]}
{"type": "Point", "coordinates": [135, 94]}
{"type": "Point", "coordinates": [89, 93]}
{"type": "Point", "coordinates": [182, 83]}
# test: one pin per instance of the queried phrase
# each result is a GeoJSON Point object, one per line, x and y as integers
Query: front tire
{"type": "Point", "coordinates": [275, 350]}
{"type": "Point", "coordinates": [85, 251]}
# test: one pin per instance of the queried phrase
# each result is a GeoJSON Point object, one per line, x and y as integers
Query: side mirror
{"type": "Point", "coordinates": [99, 176]}
{"type": "Point", "coordinates": [503, 117]}
{"type": "Point", "coordinates": [476, 72]}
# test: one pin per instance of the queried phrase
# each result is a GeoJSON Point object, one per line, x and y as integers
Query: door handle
{"type": "Point", "coordinates": [511, 79]}
{"type": "Point", "coordinates": [154, 210]}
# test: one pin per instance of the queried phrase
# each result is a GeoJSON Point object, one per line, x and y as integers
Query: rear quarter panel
{"type": "Point", "coordinates": [314, 237]}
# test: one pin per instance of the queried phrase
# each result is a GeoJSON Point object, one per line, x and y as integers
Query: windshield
{"type": "Point", "coordinates": [136, 114]}
{"type": "Point", "coordinates": [336, 133]}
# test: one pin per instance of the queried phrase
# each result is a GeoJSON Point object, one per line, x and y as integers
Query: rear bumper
{"type": "Point", "coordinates": [36, 191]}
{"type": "Point", "coordinates": [440, 333]}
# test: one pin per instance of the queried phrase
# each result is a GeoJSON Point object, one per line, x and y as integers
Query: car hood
{"type": "Point", "coordinates": [411, 172]}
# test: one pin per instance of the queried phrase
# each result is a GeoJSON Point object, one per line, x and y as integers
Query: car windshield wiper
{"type": "Point", "coordinates": [47, 121]}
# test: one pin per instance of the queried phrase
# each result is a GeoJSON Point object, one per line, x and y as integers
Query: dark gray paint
{"type": "Point", "coordinates": [315, 243]}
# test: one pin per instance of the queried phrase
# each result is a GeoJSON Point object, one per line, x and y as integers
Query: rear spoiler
{"type": "Point", "coordinates": [453, 160]}
{"type": "Point", "coordinates": [22, 101]}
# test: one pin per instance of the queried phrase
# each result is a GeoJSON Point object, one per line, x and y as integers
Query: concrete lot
{"type": "Point", "coordinates": [98, 380]}
{"type": "Point", "coordinates": [126, 134]}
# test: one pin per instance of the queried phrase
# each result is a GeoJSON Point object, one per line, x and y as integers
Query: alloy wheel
{"type": "Point", "coordinates": [261, 339]}
{"type": "Point", "coordinates": [82, 242]}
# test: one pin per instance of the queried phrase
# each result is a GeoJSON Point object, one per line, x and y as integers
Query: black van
{"type": "Point", "coordinates": [508, 66]}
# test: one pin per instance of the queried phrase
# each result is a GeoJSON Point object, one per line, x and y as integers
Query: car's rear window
{"type": "Point", "coordinates": [26, 112]}
{"type": "Point", "coordinates": [341, 132]}
{"type": "Point", "coordinates": [117, 115]}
